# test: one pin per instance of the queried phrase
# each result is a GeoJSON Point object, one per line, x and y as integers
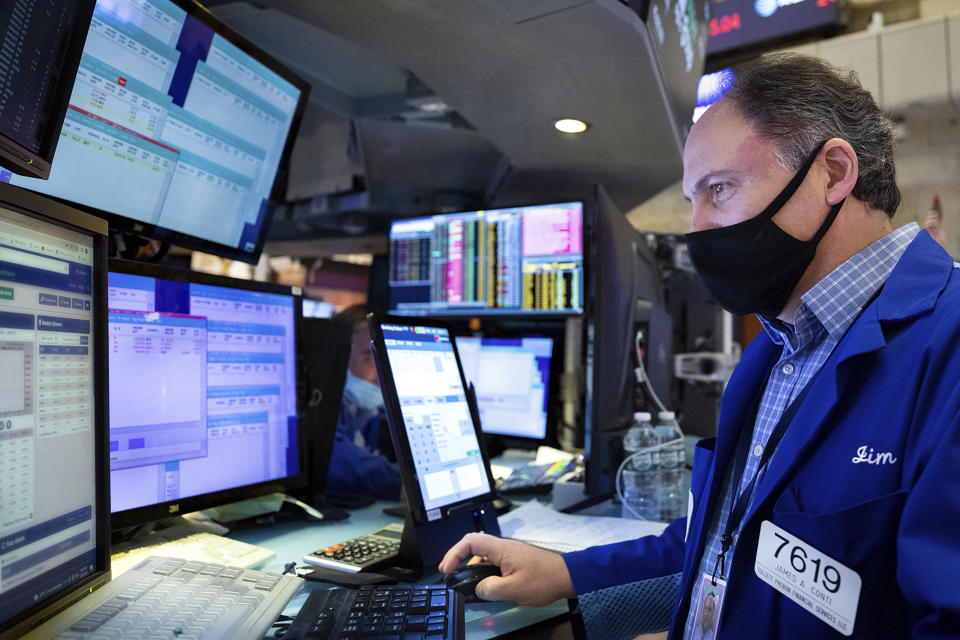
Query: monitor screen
{"type": "Point", "coordinates": [433, 404]}
{"type": "Point", "coordinates": [741, 23]}
{"type": "Point", "coordinates": [183, 123]}
{"type": "Point", "coordinates": [202, 389]}
{"type": "Point", "coordinates": [524, 260]}
{"type": "Point", "coordinates": [512, 381]}
{"type": "Point", "coordinates": [317, 309]}
{"type": "Point", "coordinates": [40, 41]}
{"type": "Point", "coordinates": [50, 419]}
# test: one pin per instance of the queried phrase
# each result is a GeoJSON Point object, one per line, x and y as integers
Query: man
{"type": "Point", "coordinates": [704, 629]}
{"type": "Point", "coordinates": [828, 504]}
{"type": "Point", "coordinates": [357, 465]}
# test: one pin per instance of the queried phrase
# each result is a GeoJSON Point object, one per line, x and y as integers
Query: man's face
{"type": "Point", "coordinates": [730, 175]}
{"type": "Point", "coordinates": [361, 358]}
{"type": "Point", "coordinates": [706, 618]}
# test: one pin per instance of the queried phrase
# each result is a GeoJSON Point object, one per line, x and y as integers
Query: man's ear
{"type": "Point", "coordinates": [843, 168]}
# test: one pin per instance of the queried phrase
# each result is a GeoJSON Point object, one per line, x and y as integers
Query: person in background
{"type": "Point", "coordinates": [933, 223]}
{"type": "Point", "coordinates": [360, 464]}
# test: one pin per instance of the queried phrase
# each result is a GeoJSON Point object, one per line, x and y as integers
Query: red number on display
{"type": "Point", "coordinates": [724, 24]}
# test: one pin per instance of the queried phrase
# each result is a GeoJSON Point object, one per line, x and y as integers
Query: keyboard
{"type": "Point", "coordinates": [360, 553]}
{"type": "Point", "coordinates": [179, 542]}
{"type": "Point", "coordinates": [177, 598]}
{"type": "Point", "coordinates": [382, 612]}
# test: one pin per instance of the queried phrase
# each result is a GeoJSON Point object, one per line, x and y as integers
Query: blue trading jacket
{"type": "Point", "coordinates": [893, 385]}
{"type": "Point", "coordinates": [361, 470]}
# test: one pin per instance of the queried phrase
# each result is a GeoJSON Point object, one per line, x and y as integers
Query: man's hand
{"type": "Point", "coordinates": [531, 576]}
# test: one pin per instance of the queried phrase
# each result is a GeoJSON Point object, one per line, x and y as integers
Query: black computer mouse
{"type": "Point", "coordinates": [466, 578]}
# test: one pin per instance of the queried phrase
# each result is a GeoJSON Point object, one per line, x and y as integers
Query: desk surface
{"type": "Point", "coordinates": [292, 540]}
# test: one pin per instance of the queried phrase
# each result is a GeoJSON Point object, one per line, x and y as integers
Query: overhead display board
{"type": "Point", "coordinates": [739, 23]}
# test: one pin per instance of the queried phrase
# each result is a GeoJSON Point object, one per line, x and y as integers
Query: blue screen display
{"type": "Point", "coordinates": [172, 125]}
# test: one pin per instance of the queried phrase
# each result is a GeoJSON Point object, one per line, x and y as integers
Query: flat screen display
{"type": "Point", "coordinates": [511, 377]}
{"type": "Point", "coordinates": [202, 389]}
{"type": "Point", "coordinates": [48, 436]}
{"type": "Point", "coordinates": [317, 309]}
{"type": "Point", "coordinates": [176, 127]}
{"type": "Point", "coordinates": [433, 404]}
{"type": "Point", "coordinates": [40, 41]}
{"type": "Point", "coordinates": [739, 23]}
{"type": "Point", "coordinates": [524, 260]}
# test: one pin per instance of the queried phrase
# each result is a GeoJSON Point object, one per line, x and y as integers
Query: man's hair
{"type": "Point", "coordinates": [798, 101]}
{"type": "Point", "coordinates": [356, 315]}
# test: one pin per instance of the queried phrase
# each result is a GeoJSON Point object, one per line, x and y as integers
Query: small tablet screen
{"type": "Point", "coordinates": [436, 417]}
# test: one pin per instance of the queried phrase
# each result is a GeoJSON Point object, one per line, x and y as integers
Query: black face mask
{"type": "Point", "coordinates": [753, 266]}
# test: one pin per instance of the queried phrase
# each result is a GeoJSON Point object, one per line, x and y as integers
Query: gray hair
{"type": "Point", "coordinates": [800, 101]}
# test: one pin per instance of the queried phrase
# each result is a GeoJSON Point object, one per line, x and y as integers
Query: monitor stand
{"type": "Point", "coordinates": [501, 504]}
{"type": "Point", "coordinates": [424, 543]}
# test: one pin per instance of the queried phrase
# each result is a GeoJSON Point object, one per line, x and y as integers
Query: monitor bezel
{"type": "Point", "coordinates": [124, 224]}
{"type": "Point", "coordinates": [408, 470]}
{"type": "Point", "coordinates": [549, 435]}
{"type": "Point", "coordinates": [36, 164]}
{"type": "Point", "coordinates": [494, 312]}
{"type": "Point", "coordinates": [157, 511]}
{"type": "Point", "coordinates": [45, 209]}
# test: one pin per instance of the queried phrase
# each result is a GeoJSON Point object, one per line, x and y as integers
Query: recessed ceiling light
{"type": "Point", "coordinates": [571, 125]}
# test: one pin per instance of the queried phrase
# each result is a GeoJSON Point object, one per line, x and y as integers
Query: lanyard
{"type": "Point", "coordinates": [739, 507]}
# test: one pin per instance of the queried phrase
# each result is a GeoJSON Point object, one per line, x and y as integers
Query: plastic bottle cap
{"type": "Point", "coordinates": [667, 415]}
{"type": "Point", "coordinates": [641, 416]}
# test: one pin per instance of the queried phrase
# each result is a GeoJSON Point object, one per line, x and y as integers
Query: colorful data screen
{"type": "Point", "coordinates": [202, 389]}
{"type": "Point", "coordinates": [525, 260]}
{"type": "Point", "coordinates": [173, 125]}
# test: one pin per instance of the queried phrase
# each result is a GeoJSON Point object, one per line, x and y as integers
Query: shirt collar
{"type": "Point", "coordinates": [834, 303]}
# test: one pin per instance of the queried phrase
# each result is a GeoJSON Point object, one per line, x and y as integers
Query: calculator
{"type": "Point", "coordinates": [365, 552]}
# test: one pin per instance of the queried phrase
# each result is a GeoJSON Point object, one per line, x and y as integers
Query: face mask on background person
{"type": "Point", "coordinates": [753, 266]}
{"type": "Point", "coordinates": [362, 393]}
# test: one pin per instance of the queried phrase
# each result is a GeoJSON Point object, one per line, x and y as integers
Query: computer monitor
{"type": "Point", "coordinates": [522, 260]}
{"type": "Point", "coordinates": [626, 310]}
{"type": "Point", "coordinates": [317, 309]}
{"type": "Point", "coordinates": [54, 507]}
{"type": "Point", "coordinates": [512, 381]}
{"type": "Point", "coordinates": [203, 390]}
{"type": "Point", "coordinates": [177, 128]}
{"type": "Point", "coordinates": [445, 471]}
{"type": "Point", "coordinates": [41, 41]}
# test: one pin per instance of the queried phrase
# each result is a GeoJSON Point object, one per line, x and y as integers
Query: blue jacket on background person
{"type": "Point", "coordinates": [358, 465]}
{"type": "Point", "coordinates": [868, 474]}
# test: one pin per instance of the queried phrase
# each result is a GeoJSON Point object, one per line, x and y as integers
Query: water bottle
{"type": "Point", "coordinates": [670, 496]}
{"type": "Point", "coordinates": [639, 479]}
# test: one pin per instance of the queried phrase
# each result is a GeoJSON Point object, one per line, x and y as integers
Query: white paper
{"type": "Point", "coordinates": [500, 471]}
{"type": "Point", "coordinates": [542, 526]}
{"type": "Point", "coordinates": [547, 455]}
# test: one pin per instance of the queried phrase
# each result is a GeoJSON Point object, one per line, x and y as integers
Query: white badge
{"type": "Point", "coordinates": [818, 583]}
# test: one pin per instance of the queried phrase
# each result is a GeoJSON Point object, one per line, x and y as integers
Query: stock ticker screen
{"type": "Point", "coordinates": [522, 260]}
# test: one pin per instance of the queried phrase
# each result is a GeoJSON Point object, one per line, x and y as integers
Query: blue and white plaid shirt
{"type": "Point", "coordinates": [826, 312]}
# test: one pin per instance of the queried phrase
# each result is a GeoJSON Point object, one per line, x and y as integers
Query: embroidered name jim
{"type": "Point", "coordinates": [869, 456]}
